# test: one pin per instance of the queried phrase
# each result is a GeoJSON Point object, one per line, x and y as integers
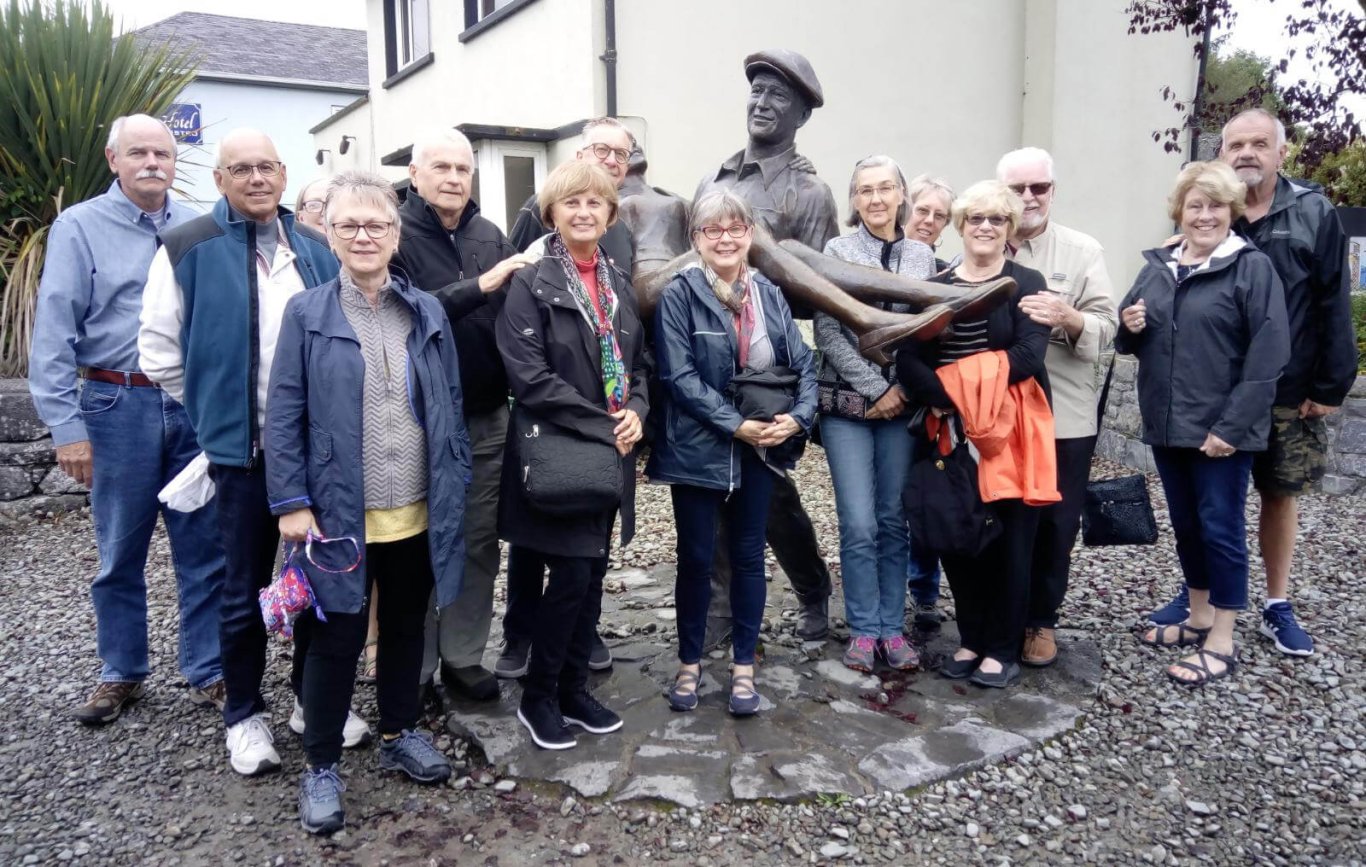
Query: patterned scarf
{"type": "Point", "coordinates": [739, 303]}
{"type": "Point", "coordinates": [615, 383]}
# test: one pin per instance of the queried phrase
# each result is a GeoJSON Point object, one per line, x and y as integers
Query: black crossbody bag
{"type": "Point", "coordinates": [562, 472]}
{"type": "Point", "coordinates": [1116, 511]}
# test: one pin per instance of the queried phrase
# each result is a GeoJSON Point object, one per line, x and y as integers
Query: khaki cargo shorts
{"type": "Point", "coordinates": [1296, 455]}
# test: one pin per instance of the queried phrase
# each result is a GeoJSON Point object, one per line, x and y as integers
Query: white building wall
{"type": "Point", "coordinates": [285, 114]}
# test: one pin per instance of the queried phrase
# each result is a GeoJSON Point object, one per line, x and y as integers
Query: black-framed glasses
{"type": "Point", "coordinates": [313, 206]}
{"type": "Point", "coordinates": [266, 169]}
{"type": "Point", "coordinates": [373, 231]}
{"type": "Point", "coordinates": [602, 151]}
{"type": "Point", "coordinates": [997, 220]}
{"type": "Point", "coordinates": [735, 230]}
{"type": "Point", "coordinates": [1039, 189]}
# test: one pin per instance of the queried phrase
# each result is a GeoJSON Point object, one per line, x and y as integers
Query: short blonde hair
{"type": "Point", "coordinates": [1213, 178]}
{"type": "Point", "coordinates": [574, 178]}
{"type": "Point", "coordinates": [988, 197]}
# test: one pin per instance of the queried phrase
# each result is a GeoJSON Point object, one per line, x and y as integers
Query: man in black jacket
{"type": "Point", "coordinates": [464, 260]}
{"type": "Point", "coordinates": [1299, 229]}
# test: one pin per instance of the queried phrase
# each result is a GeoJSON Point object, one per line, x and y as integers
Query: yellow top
{"type": "Point", "coordinates": [392, 525]}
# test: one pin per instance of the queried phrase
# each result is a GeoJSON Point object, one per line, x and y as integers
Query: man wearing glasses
{"type": "Point", "coordinates": [211, 313]}
{"type": "Point", "coordinates": [114, 431]}
{"type": "Point", "coordinates": [1080, 309]}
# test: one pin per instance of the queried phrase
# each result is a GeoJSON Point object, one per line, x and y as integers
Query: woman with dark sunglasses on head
{"type": "Point", "coordinates": [716, 320]}
{"type": "Point", "coordinates": [365, 440]}
{"type": "Point", "coordinates": [990, 590]}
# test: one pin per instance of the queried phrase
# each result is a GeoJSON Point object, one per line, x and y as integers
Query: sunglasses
{"type": "Point", "coordinates": [996, 220]}
{"type": "Point", "coordinates": [1038, 189]}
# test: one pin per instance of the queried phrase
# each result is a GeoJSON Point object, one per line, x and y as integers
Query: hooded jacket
{"type": "Point", "coordinates": [448, 264]}
{"type": "Point", "coordinates": [1212, 350]}
{"type": "Point", "coordinates": [697, 350]}
{"type": "Point", "coordinates": [314, 431]}
{"type": "Point", "coordinates": [1303, 237]}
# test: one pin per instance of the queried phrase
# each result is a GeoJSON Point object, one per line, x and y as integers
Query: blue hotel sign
{"type": "Point", "coordinates": [183, 119]}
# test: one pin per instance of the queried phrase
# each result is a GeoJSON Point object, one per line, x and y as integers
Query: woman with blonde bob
{"type": "Point", "coordinates": [571, 342]}
{"type": "Point", "coordinates": [1206, 320]}
{"type": "Point", "coordinates": [990, 590]}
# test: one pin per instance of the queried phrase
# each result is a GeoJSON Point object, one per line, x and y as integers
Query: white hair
{"type": "Point", "coordinates": [606, 121]}
{"type": "Point", "coordinates": [112, 143]}
{"type": "Point", "coordinates": [877, 161]}
{"type": "Point", "coordinates": [1024, 156]}
{"type": "Point", "coordinates": [1258, 112]}
{"type": "Point", "coordinates": [437, 138]}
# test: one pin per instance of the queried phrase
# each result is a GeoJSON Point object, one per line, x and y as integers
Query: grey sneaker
{"type": "Point", "coordinates": [899, 653]}
{"type": "Point", "coordinates": [320, 806]}
{"type": "Point", "coordinates": [861, 654]}
{"type": "Point", "coordinates": [413, 754]}
{"type": "Point", "coordinates": [515, 659]}
{"type": "Point", "coordinates": [599, 657]}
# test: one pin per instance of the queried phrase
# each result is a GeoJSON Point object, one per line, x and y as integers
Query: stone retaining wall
{"type": "Point", "coordinates": [30, 480]}
{"type": "Point", "coordinates": [1119, 438]}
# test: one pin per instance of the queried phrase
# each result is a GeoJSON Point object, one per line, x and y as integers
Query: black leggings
{"type": "Point", "coordinates": [403, 572]}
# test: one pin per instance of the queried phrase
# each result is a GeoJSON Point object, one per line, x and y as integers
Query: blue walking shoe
{"type": "Point", "coordinates": [1278, 624]}
{"type": "Point", "coordinates": [413, 754]}
{"type": "Point", "coordinates": [320, 806]}
{"type": "Point", "coordinates": [1176, 611]}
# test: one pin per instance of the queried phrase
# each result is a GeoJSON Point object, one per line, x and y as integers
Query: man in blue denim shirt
{"type": "Point", "coordinates": [114, 430]}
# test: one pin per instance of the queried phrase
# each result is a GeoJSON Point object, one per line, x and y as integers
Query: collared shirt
{"type": "Point", "coordinates": [89, 300]}
{"type": "Point", "coordinates": [789, 203]}
{"type": "Point", "coordinates": [1073, 265]}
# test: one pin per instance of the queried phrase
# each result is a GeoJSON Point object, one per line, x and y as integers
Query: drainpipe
{"type": "Point", "coordinates": [609, 57]}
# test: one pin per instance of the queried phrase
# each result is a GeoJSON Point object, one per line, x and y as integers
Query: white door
{"type": "Point", "coordinates": [508, 172]}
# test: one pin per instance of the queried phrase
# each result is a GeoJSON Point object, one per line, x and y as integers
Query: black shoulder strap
{"type": "Point", "coordinates": [1105, 393]}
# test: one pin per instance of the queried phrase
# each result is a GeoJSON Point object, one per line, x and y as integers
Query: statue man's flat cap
{"type": "Point", "coordinates": [791, 66]}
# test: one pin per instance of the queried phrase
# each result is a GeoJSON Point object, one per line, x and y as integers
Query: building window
{"type": "Point", "coordinates": [478, 10]}
{"type": "Point", "coordinates": [483, 14]}
{"type": "Point", "coordinates": [407, 33]}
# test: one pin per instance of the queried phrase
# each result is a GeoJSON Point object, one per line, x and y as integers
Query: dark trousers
{"type": "Point", "coordinates": [792, 537]}
{"type": "Point", "coordinates": [1058, 525]}
{"type": "Point", "coordinates": [526, 580]}
{"type": "Point", "coordinates": [402, 571]}
{"type": "Point", "coordinates": [744, 514]}
{"type": "Point", "coordinates": [566, 619]}
{"type": "Point", "coordinates": [250, 536]}
{"type": "Point", "coordinates": [991, 590]}
{"type": "Point", "coordinates": [1205, 500]}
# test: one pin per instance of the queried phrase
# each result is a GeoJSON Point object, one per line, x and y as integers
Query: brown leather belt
{"type": "Point", "coordinates": [119, 377]}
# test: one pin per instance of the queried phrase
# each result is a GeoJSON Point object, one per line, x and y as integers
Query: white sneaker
{"type": "Point", "coordinates": [354, 734]}
{"type": "Point", "coordinates": [251, 748]}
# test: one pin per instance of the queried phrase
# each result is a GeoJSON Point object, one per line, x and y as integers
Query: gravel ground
{"type": "Point", "coordinates": [1267, 768]}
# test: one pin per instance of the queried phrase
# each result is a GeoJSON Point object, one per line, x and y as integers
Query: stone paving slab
{"type": "Point", "coordinates": [822, 728]}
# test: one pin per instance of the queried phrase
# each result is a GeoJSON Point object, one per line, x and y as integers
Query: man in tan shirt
{"type": "Point", "coordinates": [1080, 308]}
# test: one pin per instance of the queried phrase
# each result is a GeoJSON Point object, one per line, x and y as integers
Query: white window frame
{"type": "Point", "coordinates": [488, 159]}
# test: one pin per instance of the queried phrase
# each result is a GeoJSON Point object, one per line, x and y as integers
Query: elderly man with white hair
{"type": "Point", "coordinates": [1080, 308]}
{"type": "Point", "coordinates": [448, 249]}
{"type": "Point", "coordinates": [110, 423]}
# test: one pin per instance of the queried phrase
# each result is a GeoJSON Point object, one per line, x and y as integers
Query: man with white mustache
{"type": "Point", "coordinates": [1080, 309]}
{"type": "Point", "coordinates": [1295, 225]}
{"type": "Point", "coordinates": [110, 424]}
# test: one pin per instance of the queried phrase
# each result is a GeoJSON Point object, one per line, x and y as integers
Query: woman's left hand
{"type": "Point", "coordinates": [777, 433]}
{"type": "Point", "coordinates": [1216, 448]}
{"type": "Point", "coordinates": [628, 430]}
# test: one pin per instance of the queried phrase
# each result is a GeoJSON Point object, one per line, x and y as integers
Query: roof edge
{"type": "Point", "coordinates": [270, 81]}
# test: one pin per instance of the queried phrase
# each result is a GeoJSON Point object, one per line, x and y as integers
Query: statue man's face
{"type": "Point", "coordinates": [775, 110]}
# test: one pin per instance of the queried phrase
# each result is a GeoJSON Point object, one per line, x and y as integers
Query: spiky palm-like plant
{"type": "Point", "coordinates": [64, 76]}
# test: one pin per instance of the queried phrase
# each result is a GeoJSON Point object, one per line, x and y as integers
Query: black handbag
{"type": "Point", "coordinates": [763, 394]}
{"type": "Point", "coordinates": [564, 473]}
{"type": "Point", "coordinates": [1117, 511]}
{"type": "Point", "coordinates": [944, 507]}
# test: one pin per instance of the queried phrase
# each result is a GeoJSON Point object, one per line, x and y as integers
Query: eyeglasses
{"type": "Point", "coordinates": [921, 212]}
{"type": "Point", "coordinates": [735, 230]}
{"type": "Point", "coordinates": [602, 151]}
{"type": "Point", "coordinates": [313, 206]}
{"type": "Point", "coordinates": [883, 190]}
{"type": "Point", "coordinates": [997, 220]}
{"type": "Point", "coordinates": [373, 231]}
{"type": "Point", "coordinates": [1039, 189]}
{"type": "Point", "coordinates": [267, 169]}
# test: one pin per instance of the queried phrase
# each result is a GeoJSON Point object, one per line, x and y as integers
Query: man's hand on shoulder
{"type": "Point", "coordinates": [799, 163]}
{"type": "Point", "coordinates": [77, 460]}
{"type": "Point", "coordinates": [498, 274]}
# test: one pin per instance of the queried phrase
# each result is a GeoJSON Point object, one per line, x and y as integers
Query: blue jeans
{"type": "Point", "coordinates": [868, 465]}
{"type": "Point", "coordinates": [141, 439]}
{"type": "Point", "coordinates": [745, 511]}
{"type": "Point", "coordinates": [1205, 500]}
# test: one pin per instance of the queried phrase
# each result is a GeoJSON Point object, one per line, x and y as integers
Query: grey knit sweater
{"type": "Point", "coordinates": [393, 445]}
{"type": "Point", "coordinates": [838, 344]}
